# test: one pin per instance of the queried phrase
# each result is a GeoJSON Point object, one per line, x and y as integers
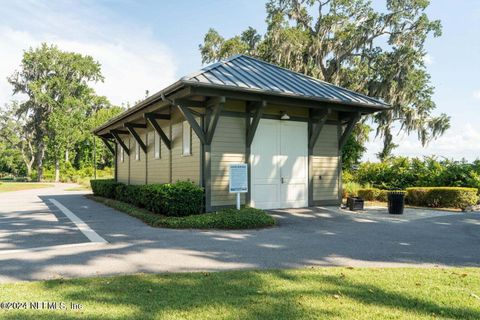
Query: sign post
{"type": "Point", "coordinates": [238, 180]}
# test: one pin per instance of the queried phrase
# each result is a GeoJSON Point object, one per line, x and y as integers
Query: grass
{"type": "Point", "coordinates": [16, 186]}
{"type": "Point", "coordinates": [246, 218]}
{"type": "Point", "coordinates": [320, 293]}
{"type": "Point", "coordinates": [79, 188]}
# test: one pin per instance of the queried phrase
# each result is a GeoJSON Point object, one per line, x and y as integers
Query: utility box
{"type": "Point", "coordinates": [355, 203]}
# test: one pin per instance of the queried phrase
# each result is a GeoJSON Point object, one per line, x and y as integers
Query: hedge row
{"type": "Point", "coordinates": [177, 199]}
{"type": "Point", "coordinates": [442, 197]}
{"type": "Point", "coordinates": [435, 197]}
{"type": "Point", "coordinates": [373, 194]}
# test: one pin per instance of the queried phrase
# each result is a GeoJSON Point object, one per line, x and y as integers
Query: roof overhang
{"type": "Point", "coordinates": [184, 89]}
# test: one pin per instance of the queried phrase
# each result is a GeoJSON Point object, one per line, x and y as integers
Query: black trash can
{"type": "Point", "coordinates": [396, 201]}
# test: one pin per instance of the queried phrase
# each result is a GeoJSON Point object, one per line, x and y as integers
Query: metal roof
{"type": "Point", "coordinates": [244, 72]}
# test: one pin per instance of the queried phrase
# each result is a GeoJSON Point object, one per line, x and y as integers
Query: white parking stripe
{"type": "Point", "coordinates": [82, 226]}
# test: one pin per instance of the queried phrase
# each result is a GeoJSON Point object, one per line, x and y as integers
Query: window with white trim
{"type": "Point", "coordinates": [187, 139]}
{"type": "Point", "coordinates": [156, 140]}
{"type": "Point", "coordinates": [137, 151]}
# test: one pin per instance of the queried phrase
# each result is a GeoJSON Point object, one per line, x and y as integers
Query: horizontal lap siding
{"type": "Point", "coordinates": [326, 164]}
{"type": "Point", "coordinates": [184, 167]}
{"type": "Point", "coordinates": [138, 167]}
{"type": "Point", "coordinates": [228, 146]}
{"type": "Point", "coordinates": [122, 167]}
{"type": "Point", "coordinates": [158, 169]}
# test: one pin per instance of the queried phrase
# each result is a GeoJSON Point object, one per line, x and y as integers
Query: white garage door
{"type": "Point", "coordinates": [279, 165]}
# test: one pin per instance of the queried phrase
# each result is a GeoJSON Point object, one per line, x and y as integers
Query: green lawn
{"type": "Point", "coordinates": [246, 218]}
{"type": "Point", "coordinates": [320, 293]}
{"type": "Point", "coordinates": [16, 186]}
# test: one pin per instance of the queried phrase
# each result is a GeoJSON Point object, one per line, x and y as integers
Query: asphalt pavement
{"type": "Point", "coordinates": [73, 236]}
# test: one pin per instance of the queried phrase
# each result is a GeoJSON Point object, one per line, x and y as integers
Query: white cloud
{"type": "Point", "coordinates": [476, 94]}
{"type": "Point", "coordinates": [457, 143]}
{"type": "Point", "coordinates": [132, 59]}
{"type": "Point", "coordinates": [428, 59]}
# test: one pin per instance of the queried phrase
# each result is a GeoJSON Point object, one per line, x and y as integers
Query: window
{"type": "Point", "coordinates": [156, 141]}
{"type": "Point", "coordinates": [137, 150]}
{"type": "Point", "coordinates": [122, 154]}
{"type": "Point", "coordinates": [187, 139]}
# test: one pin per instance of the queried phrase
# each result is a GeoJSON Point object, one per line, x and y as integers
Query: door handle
{"type": "Point", "coordinates": [282, 180]}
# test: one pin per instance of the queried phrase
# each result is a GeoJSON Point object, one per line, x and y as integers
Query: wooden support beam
{"type": "Point", "coordinates": [348, 129]}
{"type": "Point", "coordinates": [119, 131]}
{"type": "Point", "coordinates": [318, 121]}
{"type": "Point", "coordinates": [131, 128]}
{"type": "Point", "coordinates": [109, 146]}
{"type": "Point", "coordinates": [116, 135]}
{"type": "Point", "coordinates": [137, 125]}
{"type": "Point", "coordinates": [212, 122]}
{"type": "Point", "coordinates": [190, 103]}
{"type": "Point", "coordinates": [187, 113]}
{"type": "Point", "coordinates": [159, 116]}
{"type": "Point", "coordinates": [153, 122]}
{"type": "Point", "coordinates": [242, 94]}
{"type": "Point", "coordinates": [252, 128]}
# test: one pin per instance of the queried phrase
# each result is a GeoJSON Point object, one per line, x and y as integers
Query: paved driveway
{"type": "Point", "coordinates": [39, 241]}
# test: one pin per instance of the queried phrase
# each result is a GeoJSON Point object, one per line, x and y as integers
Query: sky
{"type": "Point", "coordinates": [147, 45]}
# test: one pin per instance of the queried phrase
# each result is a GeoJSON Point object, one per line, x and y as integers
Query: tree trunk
{"type": "Point", "coordinates": [66, 155]}
{"type": "Point", "coordinates": [41, 155]}
{"type": "Point", "coordinates": [28, 161]}
{"type": "Point", "coordinates": [57, 170]}
{"type": "Point", "coordinates": [29, 169]}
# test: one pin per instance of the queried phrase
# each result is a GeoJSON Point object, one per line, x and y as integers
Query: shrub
{"type": "Point", "coordinates": [128, 193]}
{"type": "Point", "coordinates": [350, 189]}
{"type": "Point", "coordinates": [382, 196]}
{"type": "Point", "coordinates": [104, 187]}
{"type": "Point", "coordinates": [246, 218]}
{"type": "Point", "coordinates": [368, 194]}
{"type": "Point", "coordinates": [373, 194]}
{"type": "Point", "coordinates": [442, 197]}
{"type": "Point", "coordinates": [183, 198]}
{"type": "Point", "coordinates": [348, 176]}
{"type": "Point", "coordinates": [402, 172]}
{"type": "Point", "coordinates": [178, 199]}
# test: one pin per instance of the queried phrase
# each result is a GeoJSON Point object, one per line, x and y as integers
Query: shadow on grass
{"type": "Point", "coordinates": [242, 295]}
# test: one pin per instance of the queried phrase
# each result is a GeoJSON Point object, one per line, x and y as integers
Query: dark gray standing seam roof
{"type": "Point", "coordinates": [245, 72]}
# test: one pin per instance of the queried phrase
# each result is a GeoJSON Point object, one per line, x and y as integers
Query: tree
{"type": "Point", "coordinates": [354, 148]}
{"type": "Point", "coordinates": [85, 150]}
{"type": "Point", "coordinates": [348, 43]}
{"type": "Point", "coordinates": [56, 84]}
{"type": "Point", "coordinates": [17, 136]}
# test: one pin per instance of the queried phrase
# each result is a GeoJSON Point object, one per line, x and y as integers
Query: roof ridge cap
{"type": "Point", "coordinates": [210, 67]}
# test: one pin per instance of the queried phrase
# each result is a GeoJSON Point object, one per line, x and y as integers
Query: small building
{"type": "Point", "coordinates": [289, 128]}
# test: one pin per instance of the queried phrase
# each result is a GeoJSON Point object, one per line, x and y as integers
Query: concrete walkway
{"type": "Point", "coordinates": [38, 241]}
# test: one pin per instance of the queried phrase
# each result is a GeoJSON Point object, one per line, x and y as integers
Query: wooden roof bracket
{"type": "Point", "coordinates": [131, 128]}
{"type": "Point", "coordinates": [109, 146]}
{"type": "Point", "coordinates": [213, 114]}
{"type": "Point", "coordinates": [258, 108]}
{"type": "Point", "coordinates": [187, 113]}
{"type": "Point", "coordinates": [152, 119]}
{"type": "Point", "coordinates": [116, 135]}
{"type": "Point", "coordinates": [317, 125]}
{"type": "Point", "coordinates": [348, 129]}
